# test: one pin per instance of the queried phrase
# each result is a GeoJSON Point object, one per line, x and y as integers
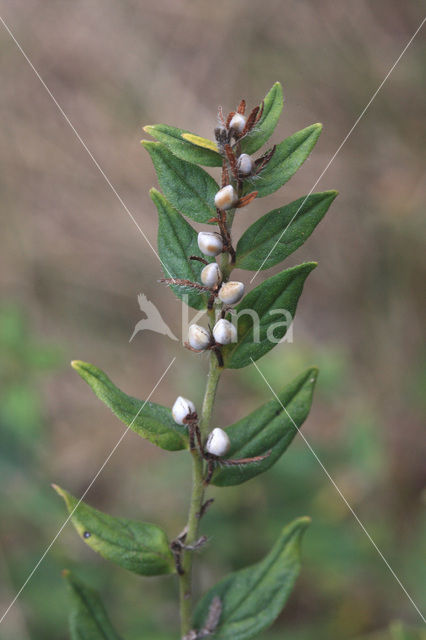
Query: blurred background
{"type": "Point", "coordinates": [72, 264]}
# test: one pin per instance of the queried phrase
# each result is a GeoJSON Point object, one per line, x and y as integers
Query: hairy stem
{"type": "Point", "coordinates": [197, 496]}
{"type": "Point", "coordinates": [226, 265]}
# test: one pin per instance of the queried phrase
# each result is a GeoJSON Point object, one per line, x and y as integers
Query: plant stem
{"type": "Point", "coordinates": [197, 496]}
{"type": "Point", "coordinates": [185, 580]}
{"type": "Point", "coordinates": [226, 265]}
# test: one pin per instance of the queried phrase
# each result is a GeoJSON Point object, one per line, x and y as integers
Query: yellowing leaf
{"type": "Point", "coordinates": [199, 141]}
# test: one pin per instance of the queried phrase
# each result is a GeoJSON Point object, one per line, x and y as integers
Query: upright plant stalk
{"type": "Point", "coordinates": [199, 265]}
{"type": "Point", "coordinates": [196, 501]}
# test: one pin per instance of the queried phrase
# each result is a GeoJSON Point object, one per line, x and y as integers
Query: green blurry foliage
{"type": "Point", "coordinates": [28, 519]}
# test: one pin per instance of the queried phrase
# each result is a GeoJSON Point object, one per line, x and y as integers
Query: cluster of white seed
{"type": "Point", "coordinates": [217, 443]}
{"type": "Point", "coordinates": [211, 244]}
{"type": "Point", "coordinates": [224, 332]}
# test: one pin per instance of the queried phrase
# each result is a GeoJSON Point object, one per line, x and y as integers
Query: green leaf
{"type": "Point", "coordinates": [88, 619]}
{"type": "Point", "coordinates": [273, 105]}
{"type": "Point", "coordinates": [153, 422]}
{"type": "Point", "coordinates": [177, 240]}
{"type": "Point", "coordinates": [261, 319]}
{"type": "Point", "coordinates": [188, 188]}
{"type": "Point", "coordinates": [268, 429]}
{"type": "Point", "coordinates": [275, 236]}
{"type": "Point", "coordinates": [289, 155]}
{"type": "Point", "coordinates": [253, 597]}
{"type": "Point", "coordinates": [172, 138]}
{"type": "Point", "coordinates": [140, 547]}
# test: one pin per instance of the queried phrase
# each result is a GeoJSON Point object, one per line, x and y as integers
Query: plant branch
{"type": "Point", "coordinates": [197, 497]}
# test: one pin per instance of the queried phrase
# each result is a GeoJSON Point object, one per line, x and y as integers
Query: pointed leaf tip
{"type": "Point", "coordinates": [154, 193]}
{"type": "Point", "coordinates": [147, 144]}
{"type": "Point", "coordinates": [301, 524]}
{"type": "Point", "coordinates": [314, 371]}
{"type": "Point", "coordinates": [272, 107]}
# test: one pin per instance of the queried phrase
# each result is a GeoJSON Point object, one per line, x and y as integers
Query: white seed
{"type": "Point", "coordinates": [210, 243]}
{"type": "Point", "coordinates": [181, 409]}
{"type": "Point", "coordinates": [231, 292]}
{"type": "Point", "coordinates": [218, 442]}
{"type": "Point", "coordinates": [198, 337]}
{"type": "Point", "coordinates": [226, 198]}
{"type": "Point", "coordinates": [211, 275]}
{"type": "Point", "coordinates": [224, 332]}
{"type": "Point", "coordinates": [238, 122]}
{"type": "Point", "coordinates": [245, 164]}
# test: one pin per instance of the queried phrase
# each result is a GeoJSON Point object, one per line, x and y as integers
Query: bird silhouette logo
{"type": "Point", "coordinates": [153, 321]}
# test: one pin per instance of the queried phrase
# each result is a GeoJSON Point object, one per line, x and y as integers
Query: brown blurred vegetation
{"type": "Point", "coordinates": [73, 262]}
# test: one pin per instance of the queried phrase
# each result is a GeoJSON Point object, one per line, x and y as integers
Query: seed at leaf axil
{"type": "Point", "coordinates": [231, 292]}
{"type": "Point", "coordinates": [210, 243]}
{"type": "Point", "coordinates": [198, 337]}
{"type": "Point", "coordinates": [245, 165]}
{"type": "Point", "coordinates": [218, 443]}
{"type": "Point", "coordinates": [226, 198]}
{"type": "Point", "coordinates": [181, 409]}
{"type": "Point", "coordinates": [224, 332]}
{"type": "Point", "coordinates": [211, 275]}
{"type": "Point", "coordinates": [238, 122]}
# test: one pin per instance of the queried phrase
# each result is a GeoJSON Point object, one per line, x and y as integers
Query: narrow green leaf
{"type": "Point", "coordinates": [187, 187]}
{"type": "Point", "coordinates": [88, 619]}
{"type": "Point", "coordinates": [265, 314]}
{"type": "Point", "coordinates": [289, 155]}
{"type": "Point", "coordinates": [253, 597]}
{"type": "Point", "coordinates": [140, 547]}
{"type": "Point", "coordinates": [275, 236]}
{"type": "Point", "coordinates": [182, 148]}
{"type": "Point", "coordinates": [177, 241]}
{"type": "Point", "coordinates": [273, 105]}
{"type": "Point", "coordinates": [268, 429]}
{"type": "Point", "coordinates": [153, 422]}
